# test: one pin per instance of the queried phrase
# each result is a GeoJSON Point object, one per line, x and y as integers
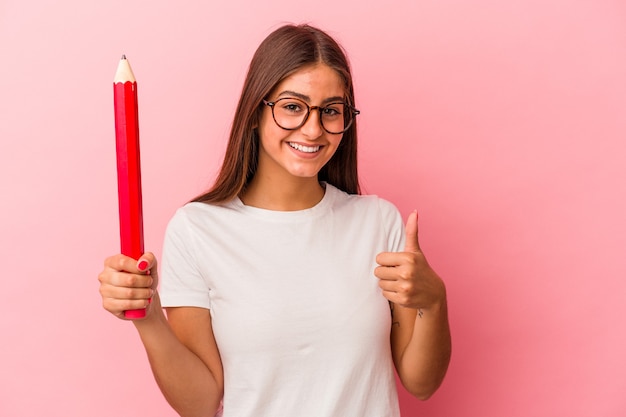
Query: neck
{"type": "Point", "coordinates": [295, 194]}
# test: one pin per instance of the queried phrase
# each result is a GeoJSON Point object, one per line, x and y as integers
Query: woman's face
{"type": "Point", "coordinates": [304, 151]}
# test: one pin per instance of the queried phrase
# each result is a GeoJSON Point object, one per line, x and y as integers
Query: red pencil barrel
{"type": "Point", "coordinates": [129, 174]}
{"type": "Point", "coordinates": [128, 169]}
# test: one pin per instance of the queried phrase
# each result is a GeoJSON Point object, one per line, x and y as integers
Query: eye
{"type": "Point", "coordinates": [333, 110]}
{"type": "Point", "coordinates": [292, 107]}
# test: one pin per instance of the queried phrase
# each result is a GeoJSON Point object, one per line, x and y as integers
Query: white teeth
{"type": "Point", "coordinates": [307, 149]}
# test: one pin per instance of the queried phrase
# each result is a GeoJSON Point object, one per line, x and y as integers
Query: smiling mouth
{"type": "Point", "coordinates": [305, 149]}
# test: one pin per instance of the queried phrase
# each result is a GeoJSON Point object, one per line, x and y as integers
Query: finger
{"type": "Point", "coordinates": [147, 262]}
{"type": "Point", "coordinates": [412, 242]}
{"type": "Point", "coordinates": [394, 297]}
{"type": "Point", "coordinates": [389, 286]}
{"type": "Point", "coordinates": [121, 262]}
{"type": "Point", "coordinates": [125, 279]}
{"type": "Point", "coordinates": [391, 259]}
{"type": "Point", "coordinates": [126, 293]}
{"type": "Point", "coordinates": [401, 293]}
{"type": "Point", "coordinates": [398, 299]}
{"type": "Point", "coordinates": [386, 273]}
{"type": "Point", "coordinates": [118, 307]}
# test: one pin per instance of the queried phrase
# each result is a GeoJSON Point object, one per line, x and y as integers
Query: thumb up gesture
{"type": "Point", "coordinates": [405, 278]}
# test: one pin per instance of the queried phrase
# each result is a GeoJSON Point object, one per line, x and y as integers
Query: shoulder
{"type": "Point", "coordinates": [362, 203]}
{"type": "Point", "coordinates": [196, 215]}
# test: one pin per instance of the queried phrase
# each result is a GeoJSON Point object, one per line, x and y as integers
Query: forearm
{"type": "Point", "coordinates": [425, 348]}
{"type": "Point", "coordinates": [184, 379]}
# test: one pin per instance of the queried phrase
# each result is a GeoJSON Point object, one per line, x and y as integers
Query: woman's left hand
{"type": "Point", "coordinates": [406, 278]}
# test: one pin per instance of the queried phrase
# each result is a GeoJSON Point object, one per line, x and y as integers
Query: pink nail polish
{"type": "Point", "coordinates": [142, 265]}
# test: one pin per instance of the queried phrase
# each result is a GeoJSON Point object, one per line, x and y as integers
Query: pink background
{"type": "Point", "coordinates": [503, 122]}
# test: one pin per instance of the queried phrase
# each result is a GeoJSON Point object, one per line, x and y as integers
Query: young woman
{"type": "Point", "coordinates": [287, 292]}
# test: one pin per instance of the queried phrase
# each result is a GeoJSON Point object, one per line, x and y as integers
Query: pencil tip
{"type": "Point", "coordinates": [124, 56]}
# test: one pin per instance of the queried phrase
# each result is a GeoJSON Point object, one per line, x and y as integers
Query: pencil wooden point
{"type": "Point", "coordinates": [124, 73]}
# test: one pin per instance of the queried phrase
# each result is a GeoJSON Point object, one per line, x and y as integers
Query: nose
{"type": "Point", "coordinates": [312, 127]}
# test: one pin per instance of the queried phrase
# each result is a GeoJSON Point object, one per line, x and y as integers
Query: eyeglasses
{"type": "Point", "coordinates": [291, 113]}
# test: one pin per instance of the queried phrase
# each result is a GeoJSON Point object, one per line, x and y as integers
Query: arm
{"type": "Point", "coordinates": [421, 348]}
{"type": "Point", "coordinates": [420, 343]}
{"type": "Point", "coordinates": [181, 349]}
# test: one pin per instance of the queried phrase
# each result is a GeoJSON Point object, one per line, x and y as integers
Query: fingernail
{"type": "Point", "coordinates": [142, 265]}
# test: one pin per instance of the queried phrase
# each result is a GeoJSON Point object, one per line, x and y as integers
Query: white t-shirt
{"type": "Point", "coordinates": [300, 322]}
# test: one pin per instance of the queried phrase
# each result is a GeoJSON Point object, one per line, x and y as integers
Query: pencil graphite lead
{"type": "Point", "coordinates": [123, 56]}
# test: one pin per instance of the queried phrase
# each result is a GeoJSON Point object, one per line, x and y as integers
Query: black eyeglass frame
{"type": "Point", "coordinates": [355, 112]}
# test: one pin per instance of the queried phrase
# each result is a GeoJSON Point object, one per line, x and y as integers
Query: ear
{"type": "Point", "coordinates": [256, 117]}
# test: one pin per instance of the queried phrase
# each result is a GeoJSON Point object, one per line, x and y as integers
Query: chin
{"type": "Point", "coordinates": [309, 172]}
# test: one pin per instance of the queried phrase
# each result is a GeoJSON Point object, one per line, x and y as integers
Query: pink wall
{"type": "Point", "coordinates": [503, 122]}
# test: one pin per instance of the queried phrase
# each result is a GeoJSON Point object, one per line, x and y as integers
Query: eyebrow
{"type": "Point", "coordinates": [306, 98]}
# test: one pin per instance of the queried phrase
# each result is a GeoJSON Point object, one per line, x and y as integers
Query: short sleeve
{"type": "Point", "coordinates": [182, 284]}
{"type": "Point", "coordinates": [392, 219]}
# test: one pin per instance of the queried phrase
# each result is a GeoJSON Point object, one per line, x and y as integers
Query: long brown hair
{"type": "Point", "coordinates": [283, 52]}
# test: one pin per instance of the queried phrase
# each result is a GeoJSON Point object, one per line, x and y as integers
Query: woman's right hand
{"type": "Point", "coordinates": [128, 284]}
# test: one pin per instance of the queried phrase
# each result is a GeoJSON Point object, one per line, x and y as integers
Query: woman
{"type": "Point", "coordinates": [279, 281]}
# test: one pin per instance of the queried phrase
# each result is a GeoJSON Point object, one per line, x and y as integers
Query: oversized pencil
{"type": "Point", "coordinates": [128, 166]}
